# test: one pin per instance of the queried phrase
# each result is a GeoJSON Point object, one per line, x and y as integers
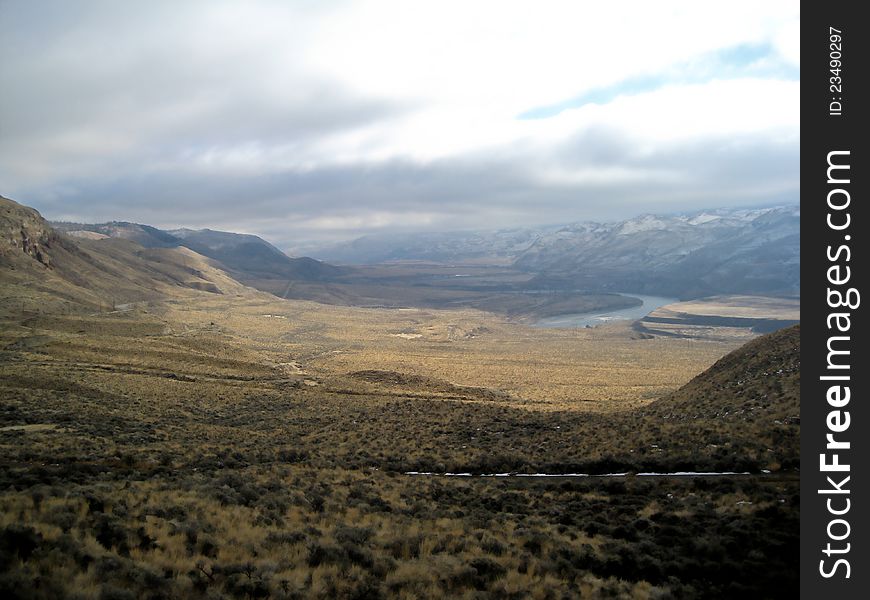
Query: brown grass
{"type": "Point", "coordinates": [206, 447]}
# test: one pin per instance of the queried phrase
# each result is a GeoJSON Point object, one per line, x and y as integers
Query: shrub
{"type": "Point", "coordinates": [487, 571]}
{"type": "Point", "coordinates": [18, 541]}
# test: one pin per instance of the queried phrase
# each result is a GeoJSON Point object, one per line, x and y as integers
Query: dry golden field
{"type": "Point", "coordinates": [601, 369]}
{"type": "Point", "coordinates": [736, 318]}
{"type": "Point", "coordinates": [737, 306]}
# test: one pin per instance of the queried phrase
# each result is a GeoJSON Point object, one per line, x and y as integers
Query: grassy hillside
{"type": "Point", "coordinates": [144, 453]}
{"type": "Point", "coordinates": [252, 259]}
{"type": "Point", "coordinates": [747, 404]}
{"type": "Point", "coordinates": [43, 270]}
{"type": "Point", "coordinates": [249, 258]}
{"type": "Point", "coordinates": [758, 383]}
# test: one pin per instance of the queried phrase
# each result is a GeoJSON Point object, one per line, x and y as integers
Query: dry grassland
{"type": "Point", "coordinates": [761, 307]}
{"type": "Point", "coordinates": [241, 446]}
{"type": "Point", "coordinates": [601, 369]}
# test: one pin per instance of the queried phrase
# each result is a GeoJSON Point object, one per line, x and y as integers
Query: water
{"type": "Point", "coordinates": [632, 313]}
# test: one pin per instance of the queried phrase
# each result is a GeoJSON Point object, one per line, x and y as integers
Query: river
{"type": "Point", "coordinates": [632, 313]}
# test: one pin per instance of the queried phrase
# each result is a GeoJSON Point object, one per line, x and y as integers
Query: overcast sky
{"type": "Point", "coordinates": [310, 121]}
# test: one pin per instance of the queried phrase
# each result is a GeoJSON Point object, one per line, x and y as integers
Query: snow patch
{"type": "Point", "coordinates": [703, 218]}
{"type": "Point", "coordinates": [625, 474]}
{"type": "Point", "coordinates": [644, 223]}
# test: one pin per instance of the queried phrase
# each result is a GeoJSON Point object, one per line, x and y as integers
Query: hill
{"type": "Point", "coordinates": [758, 383]}
{"type": "Point", "coordinates": [46, 270]}
{"type": "Point", "coordinates": [242, 445]}
{"type": "Point", "coordinates": [251, 257]}
{"type": "Point", "coordinates": [498, 247]}
{"type": "Point", "coordinates": [248, 258]}
{"type": "Point", "coordinates": [144, 235]}
{"type": "Point", "coordinates": [24, 234]}
{"type": "Point", "coordinates": [741, 414]}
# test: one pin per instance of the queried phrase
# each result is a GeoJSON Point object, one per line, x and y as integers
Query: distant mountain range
{"type": "Point", "coordinates": [723, 251]}
{"type": "Point", "coordinates": [699, 254]}
{"type": "Point", "coordinates": [502, 246]}
{"type": "Point", "coordinates": [706, 253]}
{"type": "Point", "coordinates": [246, 257]}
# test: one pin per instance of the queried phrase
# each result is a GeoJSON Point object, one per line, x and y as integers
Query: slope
{"type": "Point", "coordinates": [247, 257]}
{"type": "Point", "coordinates": [252, 258]}
{"type": "Point", "coordinates": [42, 269]}
{"type": "Point", "coordinates": [743, 413]}
{"type": "Point", "coordinates": [759, 382]}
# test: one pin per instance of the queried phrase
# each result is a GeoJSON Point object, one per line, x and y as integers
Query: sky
{"type": "Point", "coordinates": [309, 122]}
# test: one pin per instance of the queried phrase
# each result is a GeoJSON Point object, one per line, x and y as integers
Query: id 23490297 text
{"type": "Point", "coordinates": [835, 54]}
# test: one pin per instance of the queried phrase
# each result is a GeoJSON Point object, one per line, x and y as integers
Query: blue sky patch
{"type": "Point", "coordinates": [744, 60]}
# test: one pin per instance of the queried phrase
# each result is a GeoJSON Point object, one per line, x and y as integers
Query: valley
{"type": "Point", "coordinates": [170, 431]}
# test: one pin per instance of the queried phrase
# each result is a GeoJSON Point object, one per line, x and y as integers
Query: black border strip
{"type": "Point", "coordinates": [832, 121]}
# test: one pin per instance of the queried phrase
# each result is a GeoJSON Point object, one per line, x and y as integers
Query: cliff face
{"type": "Point", "coordinates": [23, 230]}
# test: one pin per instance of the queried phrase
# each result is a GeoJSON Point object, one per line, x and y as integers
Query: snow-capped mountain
{"type": "Point", "coordinates": [690, 255]}
{"type": "Point", "coordinates": [683, 255]}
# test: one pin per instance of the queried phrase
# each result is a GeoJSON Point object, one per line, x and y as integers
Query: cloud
{"type": "Point", "coordinates": [479, 192]}
{"type": "Point", "coordinates": [308, 120]}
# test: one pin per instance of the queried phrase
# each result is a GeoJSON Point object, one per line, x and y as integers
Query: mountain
{"type": "Point", "coordinates": [248, 258]}
{"type": "Point", "coordinates": [501, 246]}
{"type": "Point", "coordinates": [689, 256]}
{"type": "Point", "coordinates": [252, 257]}
{"type": "Point", "coordinates": [144, 235]}
{"type": "Point", "coordinates": [42, 268]}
